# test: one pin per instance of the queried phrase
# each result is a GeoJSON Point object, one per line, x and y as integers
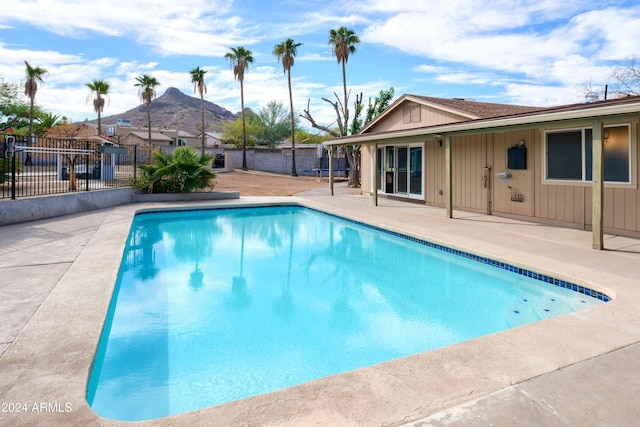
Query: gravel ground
{"type": "Point", "coordinates": [255, 183]}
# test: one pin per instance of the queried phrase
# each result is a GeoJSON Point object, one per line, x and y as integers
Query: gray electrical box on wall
{"type": "Point", "coordinates": [517, 158]}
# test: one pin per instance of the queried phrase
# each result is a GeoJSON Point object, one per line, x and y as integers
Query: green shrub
{"type": "Point", "coordinates": [5, 169]}
{"type": "Point", "coordinates": [184, 171]}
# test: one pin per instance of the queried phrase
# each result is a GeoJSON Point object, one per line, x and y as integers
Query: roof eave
{"type": "Point", "coordinates": [492, 123]}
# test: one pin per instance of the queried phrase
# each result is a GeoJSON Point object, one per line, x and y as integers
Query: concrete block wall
{"type": "Point", "coordinates": [277, 160]}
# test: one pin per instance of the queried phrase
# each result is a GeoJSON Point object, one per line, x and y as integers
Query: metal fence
{"type": "Point", "coordinates": [51, 166]}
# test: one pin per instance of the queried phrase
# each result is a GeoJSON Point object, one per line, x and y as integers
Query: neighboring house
{"type": "Point", "coordinates": [142, 138]}
{"type": "Point", "coordinates": [525, 162]}
{"type": "Point", "coordinates": [211, 139]}
{"type": "Point", "coordinates": [181, 138]}
{"type": "Point", "coordinates": [127, 134]}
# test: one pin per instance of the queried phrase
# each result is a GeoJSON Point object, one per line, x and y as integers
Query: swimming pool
{"type": "Point", "coordinates": [217, 305]}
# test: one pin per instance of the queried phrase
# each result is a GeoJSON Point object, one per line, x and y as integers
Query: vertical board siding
{"type": "Point", "coordinates": [579, 206]}
{"type": "Point", "coordinates": [619, 208]}
{"type": "Point", "coordinates": [429, 116]}
{"type": "Point", "coordinates": [429, 172]}
{"type": "Point", "coordinates": [608, 208]}
{"type": "Point", "coordinates": [366, 181]}
{"type": "Point", "coordinates": [571, 203]}
{"type": "Point", "coordinates": [556, 202]}
{"type": "Point", "coordinates": [434, 173]}
{"type": "Point", "coordinates": [523, 181]}
{"type": "Point", "coordinates": [560, 199]}
{"type": "Point", "coordinates": [468, 166]}
{"type": "Point", "coordinates": [631, 210]}
{"type": "Point", "coordinates": [440, 172]}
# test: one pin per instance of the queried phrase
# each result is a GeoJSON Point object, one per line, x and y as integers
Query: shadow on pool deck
{"type": "Point", "coordinates": [577, 369]}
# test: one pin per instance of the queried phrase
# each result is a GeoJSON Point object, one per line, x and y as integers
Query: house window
{"type": "Point", "coordinates": [569, 154]}
{"type": "Point", "coordinates": [411, 114]}
{"type": "Point", "coordinates": [182, 142]}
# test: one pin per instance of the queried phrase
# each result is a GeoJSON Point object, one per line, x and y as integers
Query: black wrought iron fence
{"type": "Point", "coordinates": [51, 165]}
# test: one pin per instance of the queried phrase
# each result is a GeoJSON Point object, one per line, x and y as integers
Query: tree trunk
{"type": "Point", "coordinates": [244, 132]}
{"type": "Point", "coordinates": [27, 160]}
{"type": "Point", "coordinates": [30, 134]}
{"type": "Point", "coordinates": [73, 186]}
{"type": "Point", "coordinates": [294, 171]}
{"type": "Point", "coordinates": [202, 118]}
{"type": "Point", "coordinates": [149, 121]}
{"type": "Point", "coordinates": [346, 104]}
{"type": "Point", "coordinates": [354, 167]}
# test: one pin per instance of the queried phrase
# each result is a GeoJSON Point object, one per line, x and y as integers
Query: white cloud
{"type": "Point", "coordinates": [464, 78]}
{"type": "Point", "coordinates": [198, 27]}
{"type": "Point", "coordinates": [542, 96]}
{"type": "Point", "coordinates": [552, 43]}
{"type": "Point", "coordinates": [431, 69]}
{"type": "Point", "coordinates": [314, 57]}
{"type": "Point", "coordinates": [525, 51]}
{"type": "Point", "coordinates": [614, 32]}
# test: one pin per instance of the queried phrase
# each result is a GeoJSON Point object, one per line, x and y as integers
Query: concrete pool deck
{"type": "Point", "coordinates": [57, 276]}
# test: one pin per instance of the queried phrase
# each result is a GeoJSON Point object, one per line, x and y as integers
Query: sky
{"type": "Point", "coordinates": [525, 52]}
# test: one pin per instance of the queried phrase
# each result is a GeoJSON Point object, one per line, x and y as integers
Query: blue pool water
{"type": "Point", "coordinates": [212, 306]}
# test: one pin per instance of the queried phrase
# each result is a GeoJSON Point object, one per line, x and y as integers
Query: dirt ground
{"type": "Point", "coordinates": [255, 183]}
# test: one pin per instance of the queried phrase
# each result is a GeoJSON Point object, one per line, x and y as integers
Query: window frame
{"type": "Point", "coordinates": [583, 181]}
{"type": "Point", "coordinates": [383, 160]}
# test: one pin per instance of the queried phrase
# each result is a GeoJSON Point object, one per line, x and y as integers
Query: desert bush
{"type": "Point", "coordinates": [183, 171]}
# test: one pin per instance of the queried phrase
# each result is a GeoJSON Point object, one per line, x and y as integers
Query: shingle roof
{"type": "Point", "coordinates": [625, 105]}
{"type": "Point", "coordinates": [155, 136]}
{"type": "Point", "coordinates": [587, 105]}
{"type": "Point", "coordinates": [479, 109]}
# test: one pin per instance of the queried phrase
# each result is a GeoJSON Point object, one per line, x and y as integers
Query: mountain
{"type": "Point", "coordinates": [175, 110]}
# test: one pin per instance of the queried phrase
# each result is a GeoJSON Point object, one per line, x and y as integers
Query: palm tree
{"type": "Point", "coordinates": [46, 122]}
{"type": "Point", "coordinates": [197, 78]}
{"type": "Point", "coordinates": [343, 42]}
{"type": "Point", "coordinates": [286, 52]}
{"type": "Point", "coordinates": [240, 58]}
{"type": "Point", "coordinates": [182, 171]}
{"type": "Point", "coordinates": [147, 91]}
{"type": "Point", "coordinates": [33, 76]}
{"type": "Point", "coordinates": [99, 88]}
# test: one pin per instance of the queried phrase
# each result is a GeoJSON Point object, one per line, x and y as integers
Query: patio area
{"type": "Point", "coordinates": [577, 369]}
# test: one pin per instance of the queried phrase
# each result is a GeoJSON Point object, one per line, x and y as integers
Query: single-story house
{"type": "Point", "coordinates": [181, 138]}
{"type": "Point", "coordinates": [572, 165]}
{"type": "Point", "coordinates": [141, 137]}
{"type": "Point", "coordinates": [159, 137]}
{"type": "Point", "coordinates": [211, 139]}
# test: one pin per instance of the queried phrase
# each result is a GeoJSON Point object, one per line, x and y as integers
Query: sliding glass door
{"type": "Point", "coordinates": [402, 164]}
{"type": "Point", "coordinates": [399, 170]}
{"type": "Point", "coordinates": [415, 175]}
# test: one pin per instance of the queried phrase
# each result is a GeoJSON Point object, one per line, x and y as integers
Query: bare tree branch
{"type": "Point", "coordinates": [346, 110]}
{"type": "Point", "coordinates": [336, 106]}
{"type": "Point", "coordinates": [627, 77]}
{"type": "Point", "coordinates": [307, 116]}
